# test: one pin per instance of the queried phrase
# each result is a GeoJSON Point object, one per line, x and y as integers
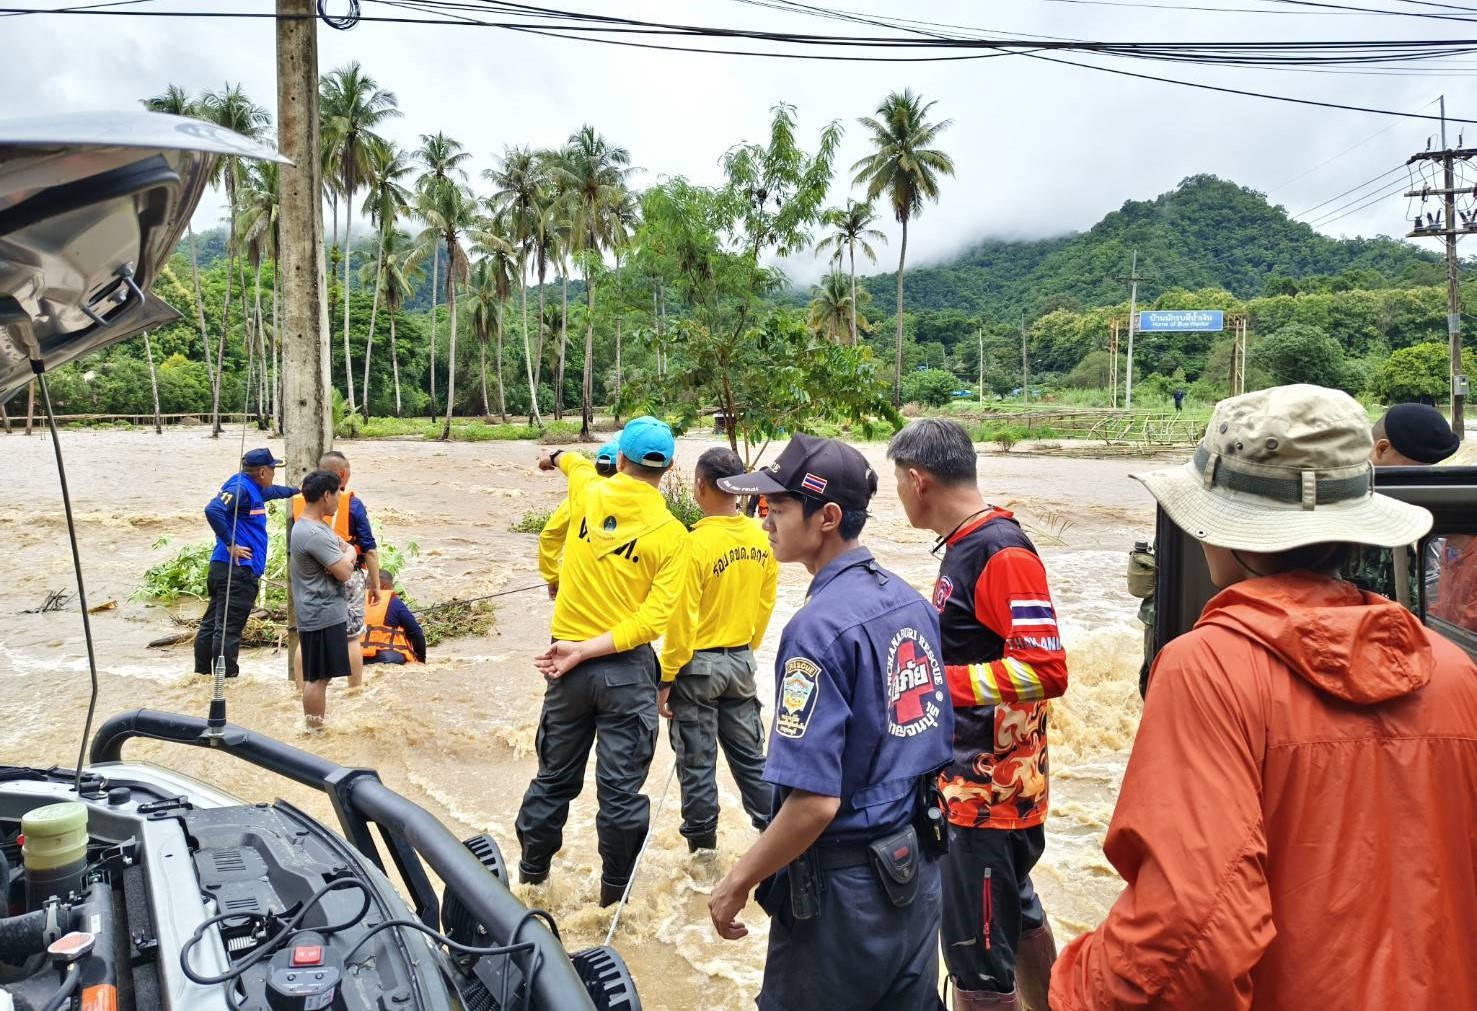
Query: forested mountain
{"type": "Point", "coordinates": [1206, 233]}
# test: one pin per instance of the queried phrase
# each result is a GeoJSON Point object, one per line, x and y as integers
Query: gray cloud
{"type": "Point", "coordinates": [1041, 149]}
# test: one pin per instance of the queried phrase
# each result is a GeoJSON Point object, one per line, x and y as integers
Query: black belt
{"type": "Point", "coordinates": [834, 857]}
{"type": "Point", "coordinates": [723, 649]}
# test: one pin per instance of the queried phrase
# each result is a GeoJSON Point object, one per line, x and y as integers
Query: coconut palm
{"type": "Point", "coordinates": [832, 309]}
{"type": "Point", "coordinates": [401, 275]}
{"type": "Point", "coordinates": [257, 231]}
{"type": "Point", "coordinates": [499, 256]}
{"type": "Point", "coordinates": [353, 105]}
{"type": "Point", "coordinates": [449, 211]}
{"type": "Point", "coordinates": [593, 172]}
{"type": "Point", "coordinates": [518, 202]}
{"type": "Point", "coordinates": [386, 201]}
{"type": "Point", "coordinates": [231, 109]}
{"type": "Point", "coordinates": [442, 158]}
{"type": "Point", "coordinates": [851, 227]}
{"type": "Point", "coordinates": [177, 102]}
{"type": "Point", "coordinates": [907, 169]}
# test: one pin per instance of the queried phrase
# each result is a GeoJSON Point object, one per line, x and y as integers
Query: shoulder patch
{"type": "Point", "coordinates": [799, 692]}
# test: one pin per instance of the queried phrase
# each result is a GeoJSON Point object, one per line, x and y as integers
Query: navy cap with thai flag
{"type": "Point", "coordinates": [822, 469]}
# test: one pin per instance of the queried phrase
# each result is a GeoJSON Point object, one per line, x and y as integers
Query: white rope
{"type": "Point", "coordinates": [650, 831]}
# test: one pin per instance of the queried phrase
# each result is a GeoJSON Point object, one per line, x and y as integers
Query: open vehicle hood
{"type": "Point", "coordinates": [91, 207]}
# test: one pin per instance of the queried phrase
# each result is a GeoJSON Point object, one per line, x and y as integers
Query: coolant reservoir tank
{"type": "Point", "coordinates": [55, 853]}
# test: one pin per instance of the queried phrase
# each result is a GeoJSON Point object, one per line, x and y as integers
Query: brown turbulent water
{"type": "Point", "coordinates": [457, 734]}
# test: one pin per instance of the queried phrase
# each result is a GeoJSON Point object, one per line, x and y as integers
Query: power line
{"type": "Point", "coordinates": [1382, 176]}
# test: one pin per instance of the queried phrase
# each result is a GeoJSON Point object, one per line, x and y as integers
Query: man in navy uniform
{"type": "Point", "coordinates": [862, 721]}
{"type": "Point", "coordinates": [238, 517]}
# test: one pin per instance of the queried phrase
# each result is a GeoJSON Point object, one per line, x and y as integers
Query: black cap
{"type": "Point", "coordinates": [1420, 432]}
{"type": "Point", "coordinates": [260, 458]}
{"type": "Point", "coordinates": [821, 469]}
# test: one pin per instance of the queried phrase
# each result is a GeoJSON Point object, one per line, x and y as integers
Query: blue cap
{"type": "Point", "coordinates": [260, 458]}
{"type": "Point", "coordinates": [648, 441]}
{"type": "Point", "coordinates": [608, 451]}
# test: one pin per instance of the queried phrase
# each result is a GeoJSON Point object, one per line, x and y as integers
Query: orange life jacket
{"type": "Point", "coordinates": [378, 635]}
{"type": "Point", "coordinates": [340, 522]}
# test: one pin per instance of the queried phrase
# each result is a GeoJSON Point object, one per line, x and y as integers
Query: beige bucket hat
{"type": "Point", "coordinates": [1281, 468]}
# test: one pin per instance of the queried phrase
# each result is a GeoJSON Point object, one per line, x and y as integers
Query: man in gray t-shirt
{"type": "Point", "coordinates": [321, 563]}
{"type": "Point", "coordinates": [319, 597]}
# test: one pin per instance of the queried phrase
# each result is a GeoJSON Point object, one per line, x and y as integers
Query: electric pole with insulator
{"type": "Point", "coordinates": [1448, 227]}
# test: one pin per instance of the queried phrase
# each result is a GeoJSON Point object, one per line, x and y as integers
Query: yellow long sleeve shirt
{"type": "Point", "coordinates": [625, 556]}
{"type": "Point", "coordinates": [551, 542]}
{"type": "Point", "coordinates": [728, 594]}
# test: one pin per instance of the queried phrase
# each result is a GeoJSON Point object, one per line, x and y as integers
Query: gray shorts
{"type": "Point", "coordinates": [354, 587]}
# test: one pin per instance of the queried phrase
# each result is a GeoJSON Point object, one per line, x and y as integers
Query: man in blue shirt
{"type": "Point", "coordinates": [862, 721]}
{"type": "Point", "coordinates": [238, 516]}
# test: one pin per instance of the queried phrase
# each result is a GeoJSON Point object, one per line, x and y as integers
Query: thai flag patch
{"type": "Point", "coordinates": [813, 484]}
{"type": "Point", "coordinates": [1032, 614]}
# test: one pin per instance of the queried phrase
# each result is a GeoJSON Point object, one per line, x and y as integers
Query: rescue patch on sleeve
{"type": "Point", "coordinates": [799, 691]}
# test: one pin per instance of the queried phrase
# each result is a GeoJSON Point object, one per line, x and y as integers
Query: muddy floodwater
{"type": "Point", "coordinates": [457, 734]}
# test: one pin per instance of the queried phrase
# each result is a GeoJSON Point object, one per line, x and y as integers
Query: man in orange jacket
{"type": "Point", "coordinates": [1295, 827]}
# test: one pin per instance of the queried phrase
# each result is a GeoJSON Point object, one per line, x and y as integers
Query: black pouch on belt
{"type": "Point", "coordinates": [807, 882]}
{"type": "Point", "coordinates": [895, 859]}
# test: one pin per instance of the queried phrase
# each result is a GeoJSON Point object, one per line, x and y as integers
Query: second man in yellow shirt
{"type": "Point", "coordinates": [708, 691]}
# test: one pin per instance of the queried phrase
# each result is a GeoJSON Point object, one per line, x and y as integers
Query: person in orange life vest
{"type": "Point", "coordinates": [1003, 660]}
{"type": "Point", "coordinates": [351, 523]}
{"type": "Point", "coordinates": [391, 633]}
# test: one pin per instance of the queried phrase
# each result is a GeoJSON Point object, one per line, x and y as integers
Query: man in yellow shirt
{"type": "Point", "coordinates": [556, 527]}
{"type": "Point", "coordinates": [708, 669]}
{"type": "Point", "coordinates": [625, 557]}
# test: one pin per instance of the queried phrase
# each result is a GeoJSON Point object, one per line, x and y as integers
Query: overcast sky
{"type": "Point", "coordinates": [1041, 149]}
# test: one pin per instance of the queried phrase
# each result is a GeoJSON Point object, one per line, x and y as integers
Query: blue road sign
{"type": "Point", "coordinates": [1182, 321]}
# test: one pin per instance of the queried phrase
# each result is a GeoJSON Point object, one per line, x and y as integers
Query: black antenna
{"type": "Point", "coordinates": [13, 315]}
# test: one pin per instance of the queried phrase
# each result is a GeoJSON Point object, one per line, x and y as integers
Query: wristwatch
{"type": "Point", "coordinates": [554, 455]}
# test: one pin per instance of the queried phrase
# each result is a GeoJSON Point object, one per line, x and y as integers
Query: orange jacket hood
{"type": "Point", "coordinates": [1354, 645]}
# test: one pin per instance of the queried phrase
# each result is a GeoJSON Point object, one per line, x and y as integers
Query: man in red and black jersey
{"type": "Point", "coordinates": [1003, 660]}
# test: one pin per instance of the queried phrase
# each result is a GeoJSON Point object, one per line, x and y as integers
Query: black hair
{"type": "Point", "coordinates": [852, 520]}
{"type": "Point", "coordinates": [718, 462]}
{"type": "Point", "coordinates": [1325, 556]}
{"type": "Point", "coordinates": [605, 468]}
{"type": "Point", "coordinates": [936, 446]}
{"type": "Point", "coordinates": [639, 469]}
{"type": "Point", "coordinates": [319, 483]}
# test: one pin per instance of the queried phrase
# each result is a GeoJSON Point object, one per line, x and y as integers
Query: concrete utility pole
{"type": "Point", "coordinates": [1133, 324]}
{"type": "Point", "coordinates": [982, 364]}
{"type": "Point", "coordinates": [307, 420]}
{"type": "Point", "coordinates": [1449, 228]}
{"type": "Point", "coordinates": [307, 408]}
{"type": "Point", "coordinates": [1025, 367]}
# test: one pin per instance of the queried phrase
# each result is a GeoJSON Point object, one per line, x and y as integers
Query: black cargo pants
{"type": "Point", "coordinates": [609, 703]}
{"type": "Point", "coordinates": [224, 619]}
{"type": "Point", "coordinates": [715, 703]}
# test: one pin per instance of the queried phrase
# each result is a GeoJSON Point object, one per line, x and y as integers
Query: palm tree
{"type": "Point", "coordinates": [353, 105]}
{"type": "Point", "coordinates": [851, 227]}
{"type": "Point", "coordinates": [831, 306]}
{"type": "Point", "coordinates": [449, 211]}
{"type": "Point", "coordinates": [386, 202]}
{"type": "Point", "coordinates": [176, 101]}
{"type": "Point", "coordinates": [258, 231]}
{"type": "Point", "coordinates": [232, 109]}
{"type": "Point", "coordinates": [905, 168]}
{"type": "Point", "coordinates": [400, 277]}
{"type": "Point", "coordinates": [518, 202]}
{"type": "Point", "coordinates": [442, 158]}
{"type": "Point", "coordinates": [500, 258]}
{"type": "Point", "coordinates": [594, 174]}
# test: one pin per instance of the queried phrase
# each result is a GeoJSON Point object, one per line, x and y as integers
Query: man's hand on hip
{"type": "Point", "coordinates": [239, 552]}
{"type": "Point", "coordinates": [559, 659]}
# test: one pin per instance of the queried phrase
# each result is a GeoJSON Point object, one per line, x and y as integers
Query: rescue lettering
{"type": "Point", "coordinates": [742, 553]}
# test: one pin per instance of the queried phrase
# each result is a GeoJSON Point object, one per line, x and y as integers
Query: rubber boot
{"type": "Point", "coordinates": [532, 875]}
{"type": "Point", "coordinates": [985, 1000]}
{"type": "Point", "coordinates": [610, 894]}
{"type": "Point", "coordinates": [1033, 960]}
{"type": "Point", "coordinates": [705, 841]}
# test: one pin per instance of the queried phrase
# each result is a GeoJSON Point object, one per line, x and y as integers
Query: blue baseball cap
{"type": "Point", "coordinates": [260, 458]}
{"type": "Point", "coordinates": [648, 441]}
{"type": "Point", "coordinates": [608, 451]}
